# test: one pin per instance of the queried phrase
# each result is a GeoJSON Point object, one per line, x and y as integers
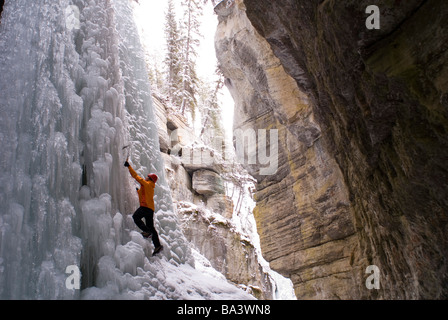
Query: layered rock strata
{"type": "Point", "coordinates": [303, 210]}
{"type": "Point", "coordinates": [379, 98]}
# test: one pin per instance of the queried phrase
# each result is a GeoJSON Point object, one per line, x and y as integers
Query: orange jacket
{"type": "Point", "coordinates": [146, 192]}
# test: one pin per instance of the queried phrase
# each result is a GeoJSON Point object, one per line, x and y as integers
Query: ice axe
{"type": "Point", "coordinates": [128, 147]}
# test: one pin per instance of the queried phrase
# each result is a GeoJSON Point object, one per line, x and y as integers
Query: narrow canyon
{"type": "Point", "coordinates": [362, 119]}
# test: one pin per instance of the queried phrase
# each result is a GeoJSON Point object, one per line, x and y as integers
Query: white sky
{"type": "Point", "coordinates": [150, 15]}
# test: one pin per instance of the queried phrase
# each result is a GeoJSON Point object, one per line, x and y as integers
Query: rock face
{"type": "Point", "coordinates": [231, 254]}
{"type": "Point", "coordinates": [193, 173]}
{"type": "Point", "coordinates": [365, 140]}
{"type": "Point", "coordinates": [303, 212]}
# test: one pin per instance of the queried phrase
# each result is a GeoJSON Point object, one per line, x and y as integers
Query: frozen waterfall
{"type": "Point", "coordinates": [73, 93]}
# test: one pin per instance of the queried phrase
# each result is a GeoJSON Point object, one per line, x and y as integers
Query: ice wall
{"type": "Point", "coordinates": [40, 168]}
{"type": "Point", "coordinates": [73, 92]}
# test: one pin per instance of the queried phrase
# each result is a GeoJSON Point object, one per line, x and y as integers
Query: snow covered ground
{"type": "Point", "coordinates": [131, 275]}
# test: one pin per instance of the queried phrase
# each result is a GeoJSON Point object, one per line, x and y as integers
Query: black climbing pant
{"type": "Point", "coordinates": [148, 214]}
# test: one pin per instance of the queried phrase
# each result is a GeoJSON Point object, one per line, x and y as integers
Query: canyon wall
{"type": "Point", "coordinates": [362, 120]}
{"type": "Point", "coordinates": [303, 213]}
{"type": "Point", "coordinates": [199, 192]}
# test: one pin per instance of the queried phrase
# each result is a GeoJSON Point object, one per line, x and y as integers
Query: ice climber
{"type": "Point", "coordinates": [146, 209]}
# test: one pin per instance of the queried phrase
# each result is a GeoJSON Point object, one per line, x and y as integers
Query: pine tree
{"type": "Point", "coordinates": [212, 125]}
{"type": "Point", "coordinates": [192, 13]}
{"type": "Point", "coordinates": [173, 60]}
{"type": "Point", "coordinates": [156, 76]}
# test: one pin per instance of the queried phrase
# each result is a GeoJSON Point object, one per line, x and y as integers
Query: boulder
{"type": "Point", "coordinates": [207, 182]}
